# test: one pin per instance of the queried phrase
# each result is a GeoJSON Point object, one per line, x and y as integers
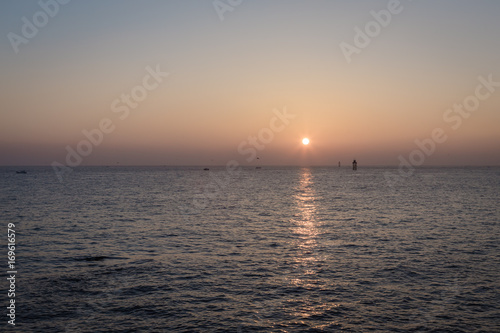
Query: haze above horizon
{"type": "Point", "coordinates": [207, 82]}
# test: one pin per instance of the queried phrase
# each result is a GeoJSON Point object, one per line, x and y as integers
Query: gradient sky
{"type": "Point", "coordinates": [226, 77]}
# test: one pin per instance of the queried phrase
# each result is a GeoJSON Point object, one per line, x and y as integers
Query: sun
{"type": "Point", "coordinates": [305, 141]}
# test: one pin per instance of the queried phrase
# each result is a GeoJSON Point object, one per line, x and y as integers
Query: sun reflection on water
{"type": "Point", "coordinates": [308, 259]}
{"type": "Point", "coordinates": [305, 224]}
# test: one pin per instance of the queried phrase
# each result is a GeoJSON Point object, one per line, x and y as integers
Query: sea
{"type": "Point", "coordinates": [270, 249]}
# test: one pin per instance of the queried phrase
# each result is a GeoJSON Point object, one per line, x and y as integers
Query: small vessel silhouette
{"type": "Point", "coordinates": [22, 172]}
{"type": "Point", "coordinates": [354, 165]}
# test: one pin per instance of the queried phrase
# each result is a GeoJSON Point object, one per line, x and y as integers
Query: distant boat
{"type": "Point", "coordinates": [206, 169]}
{"type": "Point", "coordinates": [22, 172]}
{"type": "Point", "coordinates": [354, 165]}
{"type": "Point", "coordinates": [258, 167]}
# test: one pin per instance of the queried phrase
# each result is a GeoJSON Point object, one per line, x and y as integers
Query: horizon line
{"type": "Point", "coordinates": [250, 166]}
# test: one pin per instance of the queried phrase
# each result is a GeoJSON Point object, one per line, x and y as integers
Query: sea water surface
{"type": "Point", "coordinates": [171, 249]}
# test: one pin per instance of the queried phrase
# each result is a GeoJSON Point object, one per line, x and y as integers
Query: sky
{"type": "Point", "coordinates": [205, 82]}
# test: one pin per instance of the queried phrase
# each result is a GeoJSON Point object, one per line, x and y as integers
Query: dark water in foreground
{"type": "Point", "coordinates": [276, 250]}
